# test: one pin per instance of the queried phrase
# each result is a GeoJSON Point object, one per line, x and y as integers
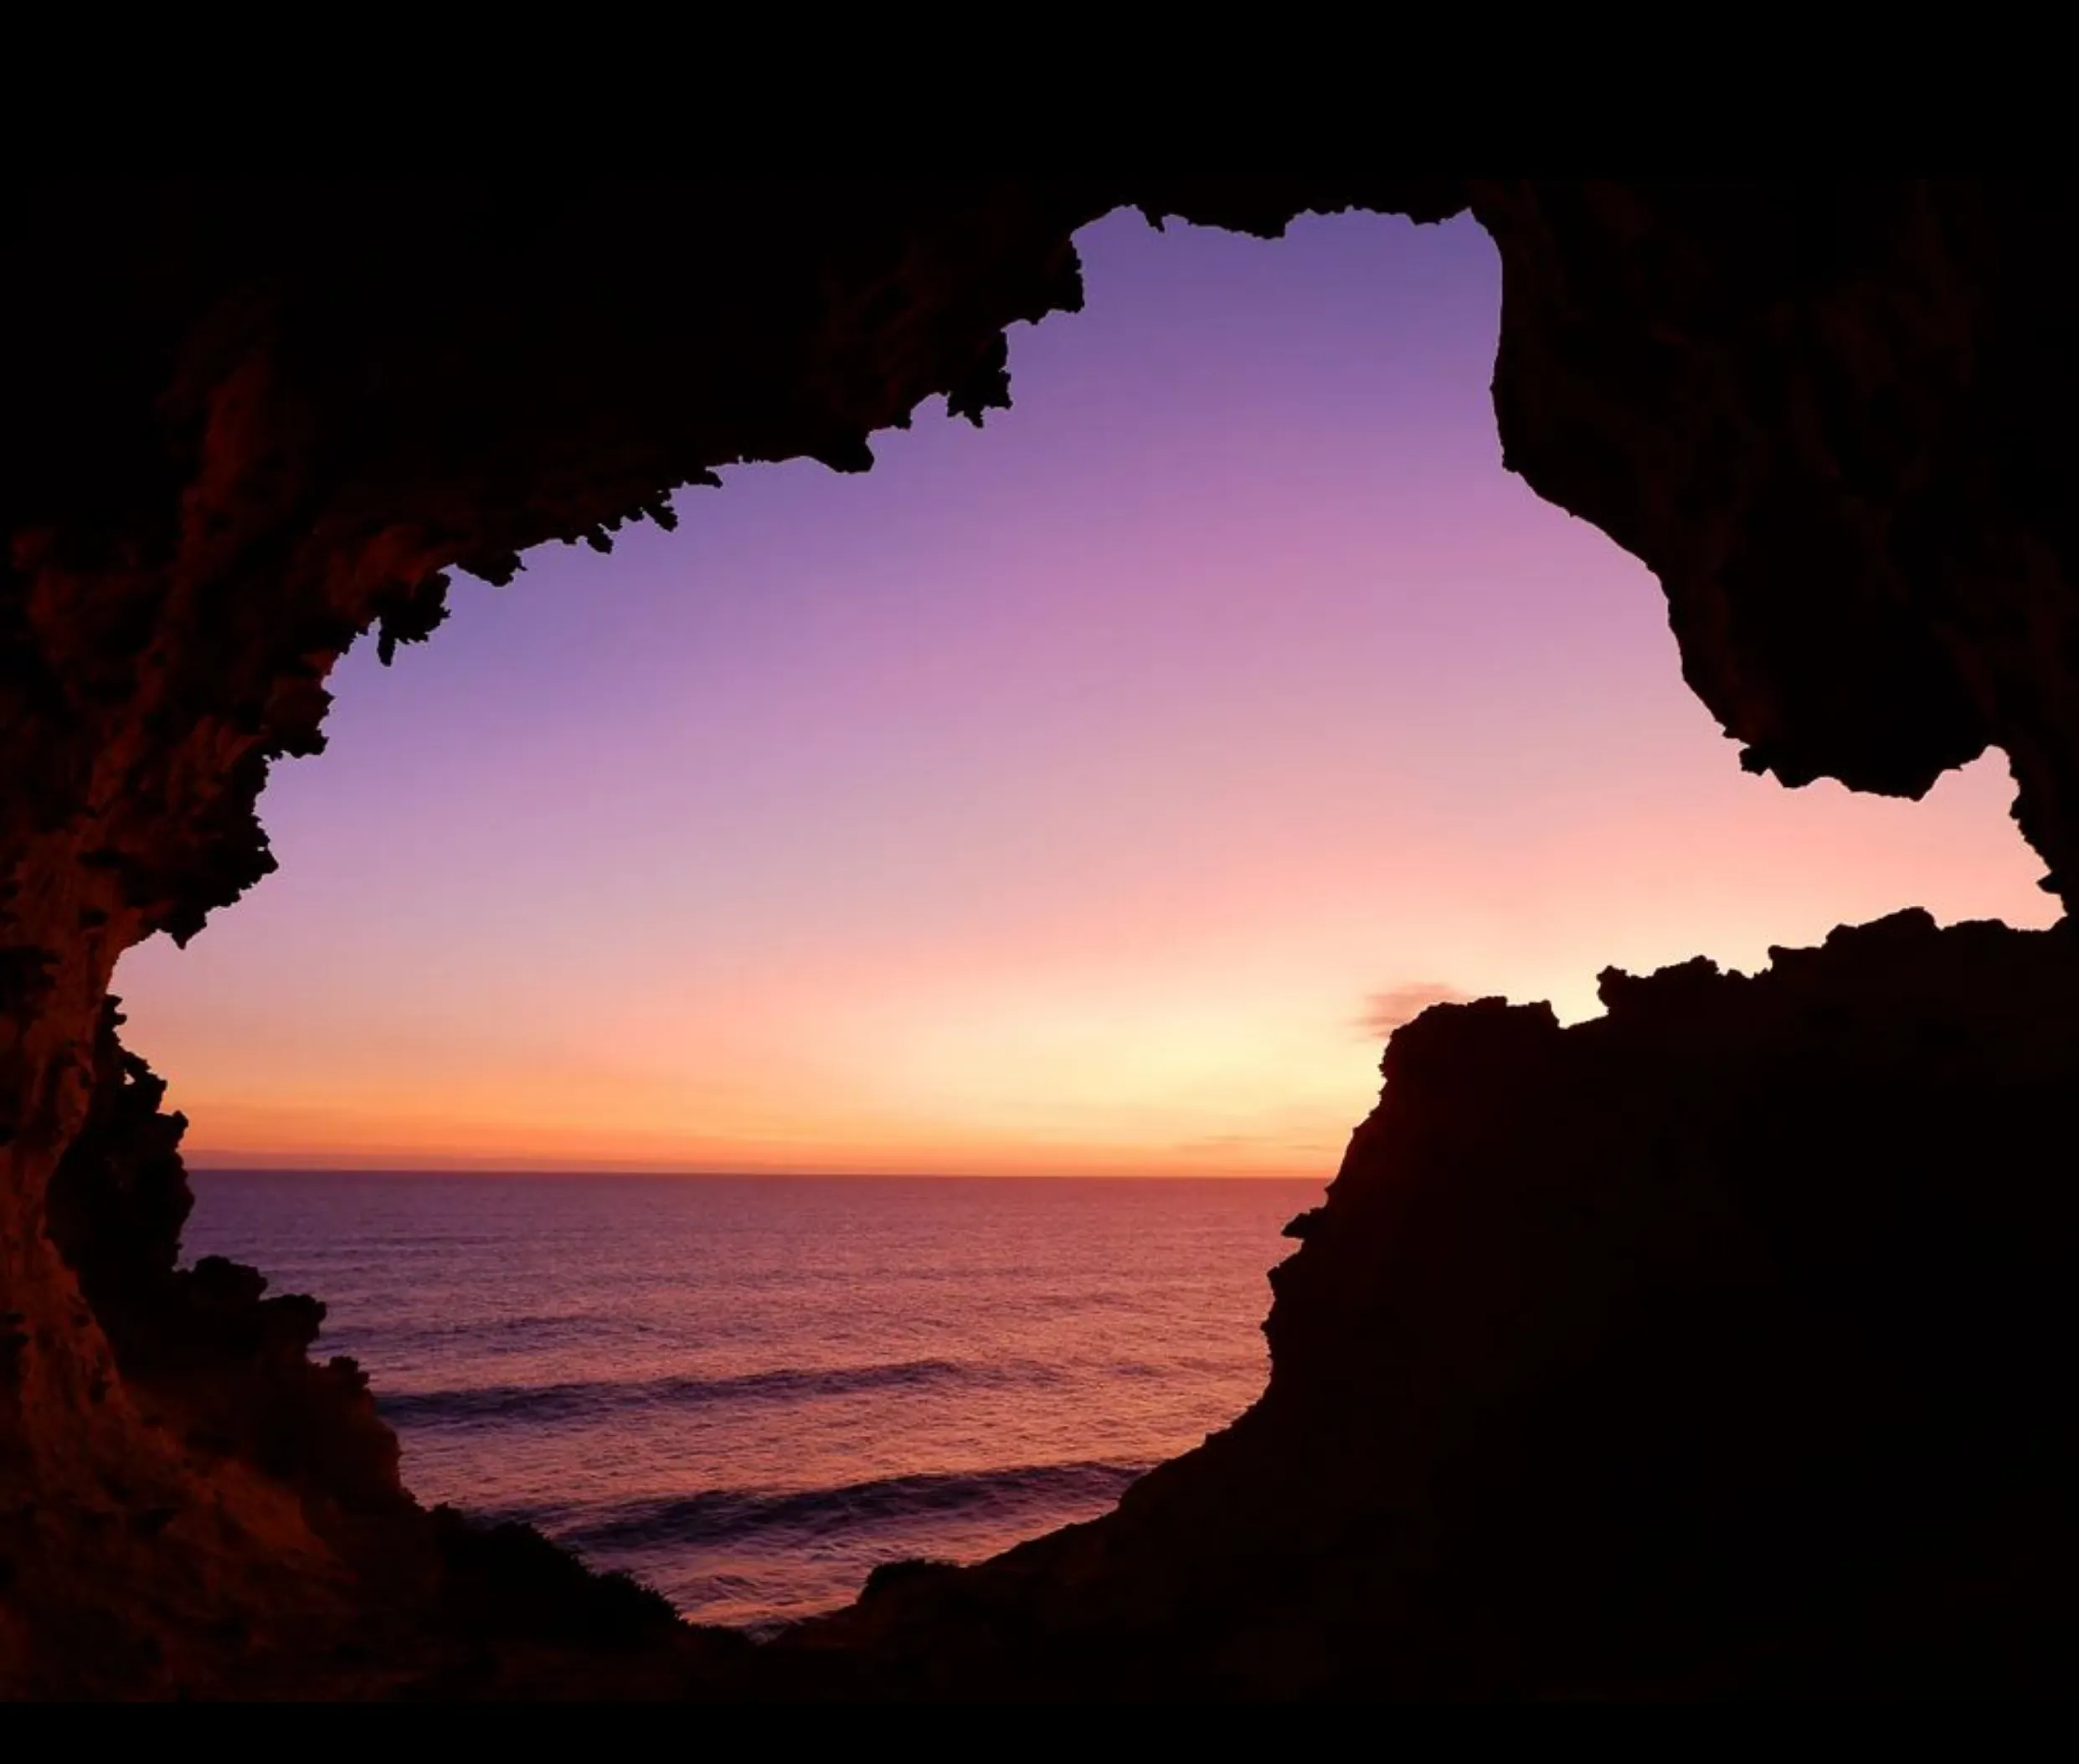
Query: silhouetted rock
{"type": "Point", "coordinates": [224, 1367]}
{"type": "Point", "coordinates": [249, 421]}
{"type": "Point", "coordinates": [911, 1571]}
{"type": "Point", "coordinates": [509, 1580]}
{"type": "Point", "coordinates": [1716, 1344]}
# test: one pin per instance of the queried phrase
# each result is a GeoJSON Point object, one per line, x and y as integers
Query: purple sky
{"type": "Point", "coordinates": [1053, 798]}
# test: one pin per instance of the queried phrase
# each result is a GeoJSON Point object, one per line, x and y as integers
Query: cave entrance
{"type": "Point", "coordinates": [1084, 799]}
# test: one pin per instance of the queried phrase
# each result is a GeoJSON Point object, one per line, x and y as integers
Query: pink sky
{"type": "Point", "coordinates": [1050, 799]}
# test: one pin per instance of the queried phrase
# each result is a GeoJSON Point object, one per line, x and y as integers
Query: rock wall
{"type": "Point", "coordinates": [247, 422]}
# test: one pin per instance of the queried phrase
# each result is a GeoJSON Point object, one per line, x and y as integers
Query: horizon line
{"type": "Point", "coordinates": [250, 1167]}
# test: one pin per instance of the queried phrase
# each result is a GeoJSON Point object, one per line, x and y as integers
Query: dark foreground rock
{"type": "Point", "coordinates": [1718, 1345]}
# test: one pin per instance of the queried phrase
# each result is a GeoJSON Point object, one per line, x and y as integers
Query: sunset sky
{"type": "Point", "coordinates": [1079, 795]}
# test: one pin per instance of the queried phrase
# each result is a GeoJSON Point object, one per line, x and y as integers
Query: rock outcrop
{"type": "Point", "coordinates": [1827, 416]}
{"type": "Point", "coordinates": [201, 1349]}
{"type": "Point", "coordinates": [263, 1545]}
{"type": "Point", "coordinates": [248, 422]}
{"type": "Point", "coordinates": [1716, 1346]}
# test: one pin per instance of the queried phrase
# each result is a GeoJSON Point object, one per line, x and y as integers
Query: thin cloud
{"type": "Point", "coordinates": [1386, 1011]}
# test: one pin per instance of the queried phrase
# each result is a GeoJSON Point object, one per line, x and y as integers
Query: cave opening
{"type": "Point", "coordinates": [1086, 797]}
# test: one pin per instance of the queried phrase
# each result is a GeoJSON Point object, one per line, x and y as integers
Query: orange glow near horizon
{"type": "Point", "coordinates": [1057, 800]}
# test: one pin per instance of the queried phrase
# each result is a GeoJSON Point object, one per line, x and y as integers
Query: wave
{"type": "Point", "coordinates": [586, 1397]}
{"type": "Point", "coordinates": [724, 1515]}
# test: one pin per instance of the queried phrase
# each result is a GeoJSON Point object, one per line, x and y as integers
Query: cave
{"type": "Point", "coordinates": [1709, 1347]}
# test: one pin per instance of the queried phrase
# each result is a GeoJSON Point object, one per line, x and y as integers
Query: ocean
{"type": "Point", "coordinates": [748, 1391]}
